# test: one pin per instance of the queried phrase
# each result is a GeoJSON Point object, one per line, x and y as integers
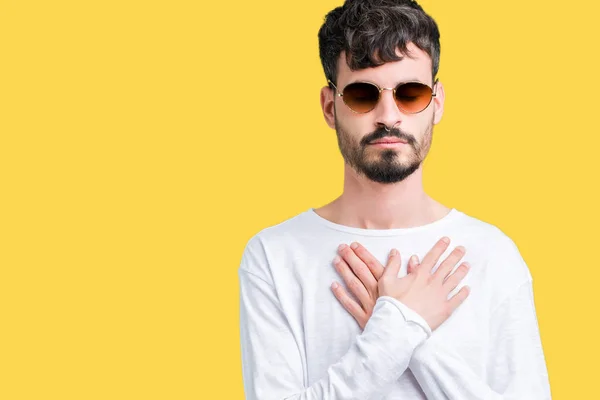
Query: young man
{"type": "Point", "coordinates": [463, 328]}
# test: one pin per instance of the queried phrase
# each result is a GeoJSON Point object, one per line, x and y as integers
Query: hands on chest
{"type": "Point", "coordinates": [421, 290]}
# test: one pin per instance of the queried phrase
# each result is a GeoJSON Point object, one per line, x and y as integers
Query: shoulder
{"type": "Point", "coordinates": [500, 264]}
{"type": "Point", "coordinates": [495, 247]}
{"type": "Point", "coordinates": [269, 244]}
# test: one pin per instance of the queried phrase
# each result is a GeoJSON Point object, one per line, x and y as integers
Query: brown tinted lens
{"type": "Point", "coordinates": [361, 96]}
{"type": "Point", "coordinates": [413, 97]}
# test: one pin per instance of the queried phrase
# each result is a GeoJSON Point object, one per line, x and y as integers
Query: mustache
{"type": "Point", "coordinates": [381, 133]}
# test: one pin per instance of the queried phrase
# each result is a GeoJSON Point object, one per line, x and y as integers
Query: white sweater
{"type": "Point", "coordinates": [298, 342]}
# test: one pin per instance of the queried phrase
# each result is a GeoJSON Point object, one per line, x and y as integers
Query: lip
{"type": "Point", "coordinates": [388, 141]}
{"type": "Point", "coordinates": [387, 144]}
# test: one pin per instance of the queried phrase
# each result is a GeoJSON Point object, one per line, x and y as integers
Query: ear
{"type": "Point", "coordinates": [438, 101]}
{"type": "Point", "coordinates": [327, 105]}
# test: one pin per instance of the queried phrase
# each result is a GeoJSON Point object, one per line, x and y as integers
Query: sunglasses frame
{"type": "Point", "coordinates": [379, 96]}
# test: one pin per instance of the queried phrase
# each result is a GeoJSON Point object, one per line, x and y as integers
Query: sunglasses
{"type": "Point", "coordinates": [362, 97]}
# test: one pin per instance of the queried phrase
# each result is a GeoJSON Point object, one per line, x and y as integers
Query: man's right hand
{"type": "Point", "coordinates": [426, 292]}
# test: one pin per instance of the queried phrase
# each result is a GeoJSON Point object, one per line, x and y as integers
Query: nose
{"type": "Point", "coordinates": [387, 113]}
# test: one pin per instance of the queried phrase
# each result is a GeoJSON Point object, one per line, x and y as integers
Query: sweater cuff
{"type": "Point", "coordinates": [409, 314]}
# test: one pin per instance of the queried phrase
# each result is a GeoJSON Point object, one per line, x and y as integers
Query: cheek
{"type": "Point", "coordinates": [356, 127]}
{"type": "Point", "coordinates": [422, 127]}
{"type": "Point", "coordinates": [419, 122]}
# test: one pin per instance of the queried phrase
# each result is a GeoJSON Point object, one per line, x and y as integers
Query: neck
{"type": "Point", "coordinates": [371, 205]}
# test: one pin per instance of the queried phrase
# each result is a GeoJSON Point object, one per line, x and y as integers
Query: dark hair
{"type": "Point", "coordinates": [370, 32]}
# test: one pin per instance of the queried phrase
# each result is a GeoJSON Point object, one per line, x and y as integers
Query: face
{"type": "Point", "coordinates": [380, 162]}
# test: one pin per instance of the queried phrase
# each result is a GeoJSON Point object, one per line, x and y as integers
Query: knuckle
{"type": "Point", "coordinates": [441, 244]}
{"type": "Point", "coordinates": [446, 311]}
{"type": "Point", "coordinates": [370, 263]}
{"type": "Point", "coordinates": [360, 251]}
{"type": "Point", "coordinates": [360, 270]}
{"type": "Point", "coordinates": [460, 273]}
{"type": "Point", "coordinates": [451, 280]}
{"type": "Point", "coordinates": [339, 267]}
{"type": "Point", "coordinates": [345, 253]}
{"type": "Point", "coordinates": [465, 292]}
{"type": "Point", "coordinates": [460, 296]}
{"type": "Point", "coordinates": [459, 250]}
{"type": "Point", "coordinates": [347, 303]}
{"type": "Point", "coordinates": [429, 278]}
{"type": "Point", "coordinates": [343, 275]}
{"type": "Point", "coordinates": [372, 290]}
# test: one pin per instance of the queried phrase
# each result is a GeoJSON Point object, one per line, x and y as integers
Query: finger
{"type": "Point", "coordinates": [352, 282]}
{"type": "Point", "coordinates": [369, 260]}
{"type": "Point", "coordinates": [359, 268]}
{"type": "Point", "coordinates": [393, 265]}
{"type": "Point", "coordinates": [432, 257]}
{"type": "Point", "coordinates": [449, 263]}
{"type": "Point", "coordinates": [456, 277]}
{"type": "Point", "coordinates": [458, 298]}
{"type": "Point", "coordinates": [413, 263]}
{"type": "Point", "coordinates": [348, 302]}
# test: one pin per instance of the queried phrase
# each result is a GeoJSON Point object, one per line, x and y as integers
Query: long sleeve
{"type": "Point", "coordinates": [516, 368]}
{"type": "Point", "coordinates": [272, 365]}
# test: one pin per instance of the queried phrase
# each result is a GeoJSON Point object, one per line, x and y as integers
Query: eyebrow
{"type": "Point", "coordinates": [411, 79]}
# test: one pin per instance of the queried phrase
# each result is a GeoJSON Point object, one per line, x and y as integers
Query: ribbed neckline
{"type": "Point", "coordinates": [452, 214]}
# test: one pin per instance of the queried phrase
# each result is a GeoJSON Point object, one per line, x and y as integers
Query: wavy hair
{"type": "Point", "coordinates": [370, 31]}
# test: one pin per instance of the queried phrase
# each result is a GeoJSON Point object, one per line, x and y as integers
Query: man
{"type": "Point", "coordinates": [456, 321]}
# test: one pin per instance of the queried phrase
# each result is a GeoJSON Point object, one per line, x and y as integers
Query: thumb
{"type": "Point", "coordinates": [393, 265]}
{"type": "Point", "coordinates": [413, 263]}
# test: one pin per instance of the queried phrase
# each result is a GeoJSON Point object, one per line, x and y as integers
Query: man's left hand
{"type": "Point", "coordinates": [360, 272]}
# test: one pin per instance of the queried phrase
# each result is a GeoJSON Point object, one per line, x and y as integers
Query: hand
{"type": "Point", "coordinates": [422, 291]}
{"type": "Point", "coordinates": [361, 272]}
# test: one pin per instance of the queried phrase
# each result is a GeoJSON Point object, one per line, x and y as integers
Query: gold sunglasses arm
{"type": "Point", "coordinates": [336, 89]}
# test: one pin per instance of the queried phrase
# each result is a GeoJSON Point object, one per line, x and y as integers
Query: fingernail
{"type": "Point", "coordinates": [414, 259]}
{"type": "Point", "coordinates": [354, 245]}
{"type": "Point", "coordinates": [334, 285]}
{"type": "Point", "coordinates": [337, 259]}
{"type": "Point", "coordinates": [393, 252]}
{"type": "Point", "coordinates": [446, 240]}
{"type": "Point", "coordinates": [342, 246]}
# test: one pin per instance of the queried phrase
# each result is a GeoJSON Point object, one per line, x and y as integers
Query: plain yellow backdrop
{"type": "Point", "coordinates": [142, 143]}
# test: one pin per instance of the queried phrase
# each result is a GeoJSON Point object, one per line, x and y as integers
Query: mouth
{"type": "Point", "coordinates": [388, 140]}
{"type": "Point", "coordinates": [388, 145]}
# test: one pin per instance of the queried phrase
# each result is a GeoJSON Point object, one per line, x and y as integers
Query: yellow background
{"type": "Point", "coordinates": [142, 143]}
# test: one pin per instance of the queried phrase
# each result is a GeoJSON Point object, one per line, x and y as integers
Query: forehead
{"type": "Point", "coordinates": [416, 67]}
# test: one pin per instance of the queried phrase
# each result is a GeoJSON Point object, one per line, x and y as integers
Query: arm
{"type": "Point", "coordinates": [272, 365]}
{"type": "Point", "coordinates": [516, 368]}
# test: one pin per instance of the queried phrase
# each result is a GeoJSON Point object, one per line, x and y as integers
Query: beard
{"type": "Point", "coordinates": [383, 165]}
